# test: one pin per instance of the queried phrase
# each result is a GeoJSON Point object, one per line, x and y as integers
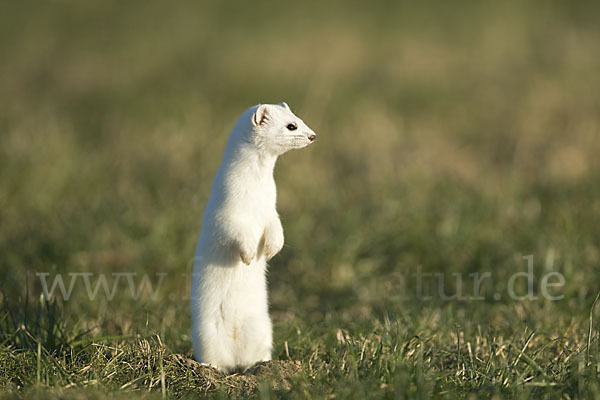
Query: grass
{"type": "Point", "coordinates": [454, 139]}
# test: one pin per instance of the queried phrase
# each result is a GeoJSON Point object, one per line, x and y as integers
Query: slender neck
{"type": "Point", "coordinates": [266, 163]}
{"type": "Point", "coordinates": [248, 163]}
{"type": "Point", "coordinates": [257, 160]}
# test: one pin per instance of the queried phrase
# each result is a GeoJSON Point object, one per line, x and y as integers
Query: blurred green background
{"type": "Point", "coordinates": [455, 136]}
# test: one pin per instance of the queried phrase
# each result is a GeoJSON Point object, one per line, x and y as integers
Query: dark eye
{"type": "Point", "coordinates": [292, 127]}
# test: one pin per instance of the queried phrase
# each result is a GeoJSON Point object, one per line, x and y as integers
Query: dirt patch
{"type": "Point", "coordinates": [186, 375]}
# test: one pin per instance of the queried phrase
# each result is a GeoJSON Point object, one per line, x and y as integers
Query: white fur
{"type": "Point", "coordinates": [241, 230]}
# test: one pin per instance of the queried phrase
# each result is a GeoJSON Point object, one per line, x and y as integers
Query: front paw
{"type": "Point", "coordinates": [247, 256]}
{"type": "Point", "coordinates": [273, 240]}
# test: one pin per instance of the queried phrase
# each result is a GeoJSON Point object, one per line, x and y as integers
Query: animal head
{"type": "Point", "coordinates": [275, 129]}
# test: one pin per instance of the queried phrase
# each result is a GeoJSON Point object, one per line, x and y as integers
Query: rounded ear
{"type": "Point", "coordinates": [261, 115]}
{"type": "Point", "coordinates": [284, 105]}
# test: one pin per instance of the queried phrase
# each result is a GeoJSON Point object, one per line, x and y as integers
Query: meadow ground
{"type": "Point", "coordinates": [455, 139]}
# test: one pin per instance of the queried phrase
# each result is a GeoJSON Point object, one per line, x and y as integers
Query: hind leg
{"type": "Point", "coordinates": [256, 343]}
{"type": "Point", "coordinates": [212, 346]}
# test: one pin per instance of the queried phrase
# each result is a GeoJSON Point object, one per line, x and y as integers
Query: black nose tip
{"type": "Point", "coordinates": [312, 137]}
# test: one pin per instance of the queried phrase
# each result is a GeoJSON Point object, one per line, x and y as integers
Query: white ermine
{"type": "Point", "coordinates": [240, 232]}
